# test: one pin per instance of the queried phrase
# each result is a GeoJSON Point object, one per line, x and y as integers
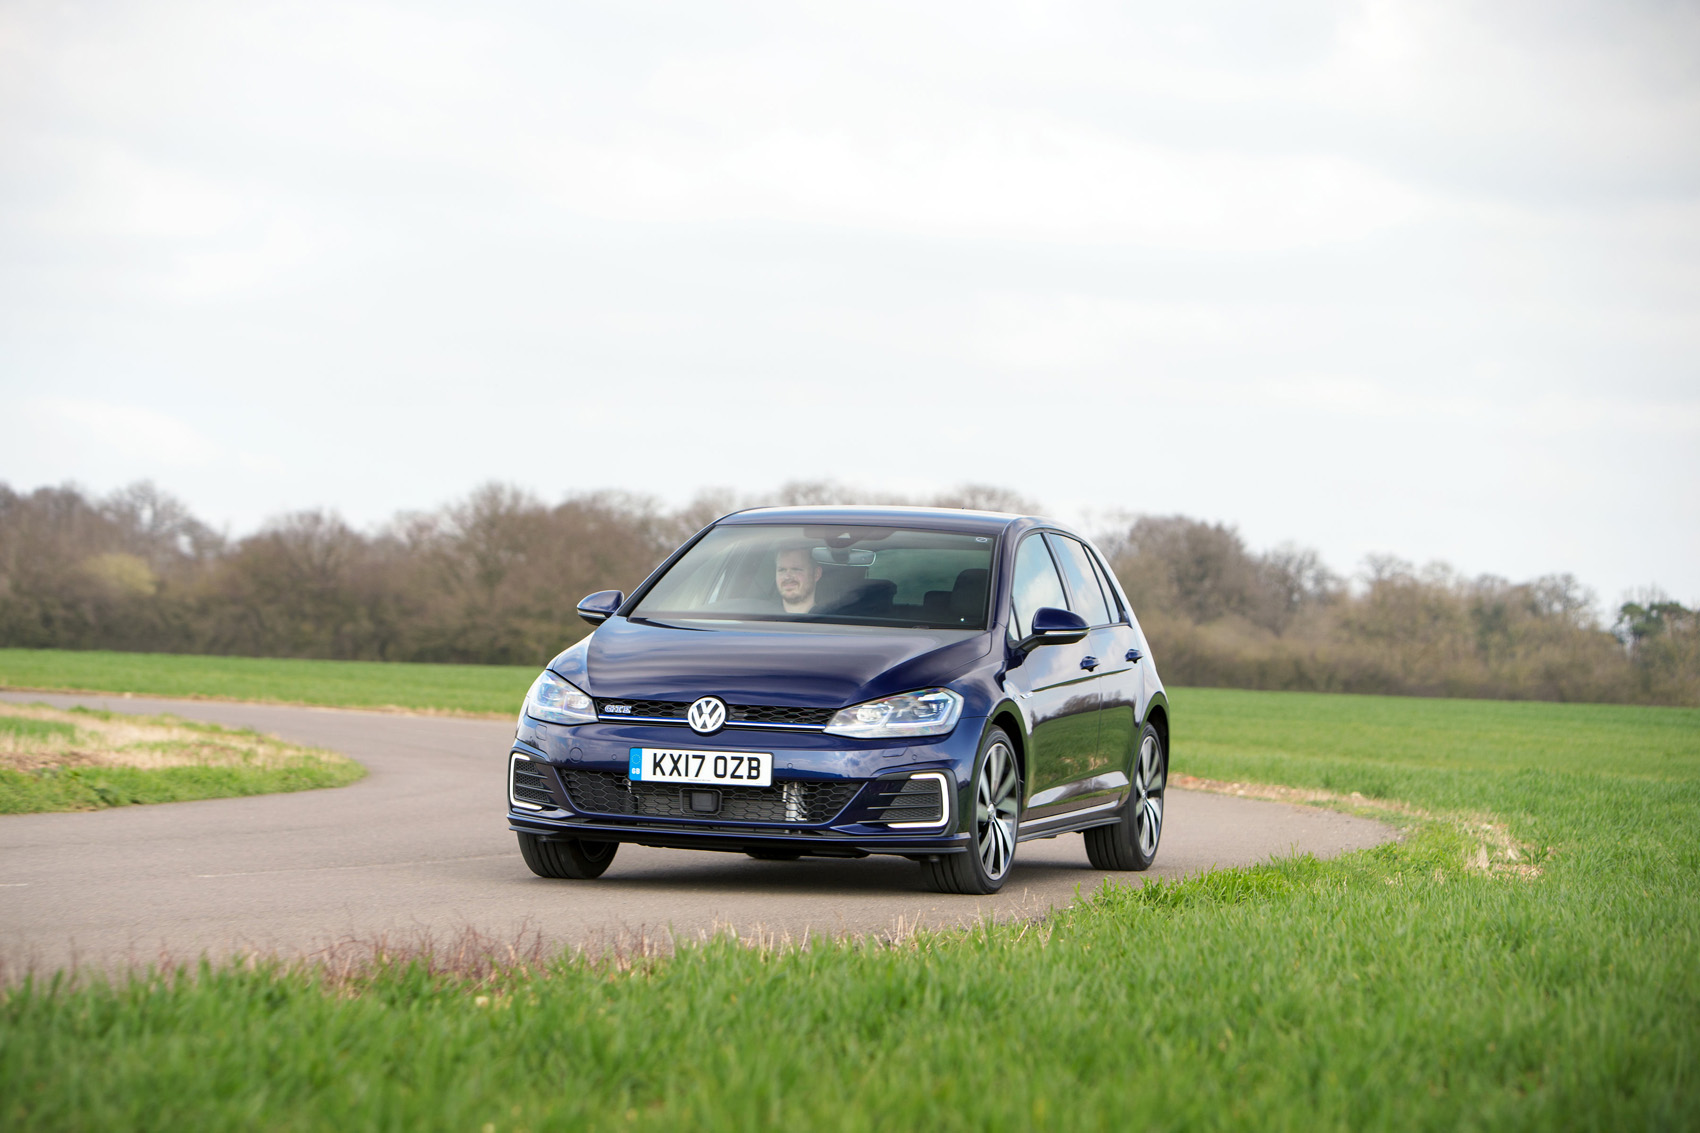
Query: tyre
{"type": "Point", "coordinates": [774, 855]}
{"type": "Point", "coordinates": [1131, 842]}
{"type": "Point", "coordinates": [573, 858]}
{"type": "Point", "coordinates": [993, 824]}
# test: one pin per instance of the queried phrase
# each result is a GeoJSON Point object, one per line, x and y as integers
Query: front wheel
{"type": "Point", "coordinates": [1131, 843]}
{"type": "Point", "coordinates": [997, 809]}
{"type": "Point", "coordinates": [575, 858]}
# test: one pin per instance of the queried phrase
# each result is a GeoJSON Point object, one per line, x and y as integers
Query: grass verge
{"type": "Point", "coordinates": [475, 690]}
{"type": "Point", "coordinates": [81, 759]}
{"type": "Point", "coordinates": [1402, 987]}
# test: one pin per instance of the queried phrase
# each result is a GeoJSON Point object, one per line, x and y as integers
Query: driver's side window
{"type": "Point", "coordinates": [1036, 584]}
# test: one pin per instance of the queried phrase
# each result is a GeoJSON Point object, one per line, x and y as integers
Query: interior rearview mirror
{"type": "Point", "coordinates": [846, 556]}
{"type": "Point", "coordinates": [599, 607]}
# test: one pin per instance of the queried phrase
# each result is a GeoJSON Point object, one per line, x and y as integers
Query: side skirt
{"type": "Point", "coordinates": [1101, 815]}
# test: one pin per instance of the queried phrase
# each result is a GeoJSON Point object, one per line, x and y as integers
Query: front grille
{"type": "Point", "coordinates": [529, 785]}
{"type": "Point", "coordinates": [778, 714]}
{"type": "Point", "coordinates": [906, 800]}
{"type": "Point", "coordinates": [798, 803]}
{"type": "Point", "coordinates": [735, 713]}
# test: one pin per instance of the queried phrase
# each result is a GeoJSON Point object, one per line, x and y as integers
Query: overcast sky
{"type": "Point", "coordinates": [1419, 278]}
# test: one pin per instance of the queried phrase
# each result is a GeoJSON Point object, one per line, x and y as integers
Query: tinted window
{"type": "Point", "coordinates": [849, 575]}
{"type": "Point", "coordinates": [1117, 614]}
{"type": "Point", "coordinates": [1036, 583]}
{"type": "Point", "coordinates": [1082, 580]}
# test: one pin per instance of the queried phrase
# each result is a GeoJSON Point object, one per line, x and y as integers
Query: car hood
{"type": "Point", "coordinates": [759, 663]}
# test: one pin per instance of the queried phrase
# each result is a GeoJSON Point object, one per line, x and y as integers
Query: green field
{"type": "Point", "coordinates": [465, 689]}
{"type": "Point", "coordinates": [84, 759]}
{"type": "Point", "coordinates": [1401, 987]}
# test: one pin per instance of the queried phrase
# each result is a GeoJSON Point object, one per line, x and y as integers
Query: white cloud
{"type": "Point", "coordinates": [412, 249]}
{"type": "Point", "coordinates": [1556, 413]}
{"type": "Point", "coordinates": [1071, 333]}
{"type": "Point", "coordinates": [147, 436]}
{"type": "Point", "coordinates": [125, 196]}
{"type": "Point", "coordinates": [1027, 177]}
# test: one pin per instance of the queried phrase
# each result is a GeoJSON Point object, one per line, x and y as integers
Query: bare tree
{"type": "Point", "coordinates": [1291, 579]}
{"type": "Point", "coordinates": [1202, 571]}
{"type": "Point", "coordinates": [494, 577]}
{"type": "Point", "coordinates": [986, 497]}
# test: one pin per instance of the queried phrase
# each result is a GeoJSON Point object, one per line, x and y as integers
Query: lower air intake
{"type": "Point", "coordinates": [920, 799]}
{"type": "Point", "coordinates": [794, 803]}
{"type": "Point", "coordinates": [528, 785]}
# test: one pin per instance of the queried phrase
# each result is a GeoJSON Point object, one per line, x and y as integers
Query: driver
{"type": "Point", "coordinates": [795, 573]}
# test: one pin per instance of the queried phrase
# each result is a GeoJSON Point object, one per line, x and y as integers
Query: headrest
{"type": "Point", "coordinates": [968, 596]}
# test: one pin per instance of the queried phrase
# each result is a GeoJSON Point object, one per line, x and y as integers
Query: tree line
{"type": "Point", "coordinates": [494, 577]}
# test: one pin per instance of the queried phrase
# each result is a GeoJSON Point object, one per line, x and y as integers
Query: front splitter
{"type": "Point", "coordinates": [738, 839]}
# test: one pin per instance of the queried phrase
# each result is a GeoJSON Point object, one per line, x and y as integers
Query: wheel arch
{"type": "Point", "coordinates": [1158, 717]}
{"type": "Point", "coordinates": [1006, 716]}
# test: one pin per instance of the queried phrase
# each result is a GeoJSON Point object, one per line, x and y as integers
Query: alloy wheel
{"type": "Point", "coordinates": [995, 808]}
{"type": "Point", "coordinates": [1150, 777]}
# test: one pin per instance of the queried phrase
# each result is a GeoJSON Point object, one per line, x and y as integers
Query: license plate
{"type": "Point", "coordinates": [723, 768]}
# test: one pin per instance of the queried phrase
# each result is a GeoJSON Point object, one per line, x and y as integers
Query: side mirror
{"type": "Point", "coordinates": [1052, 626]}
{"type": "Point", "coordinates": [599, 607]}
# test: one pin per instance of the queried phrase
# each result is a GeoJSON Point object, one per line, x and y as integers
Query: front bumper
{"type": "Point", "coordinates": [831, 797]}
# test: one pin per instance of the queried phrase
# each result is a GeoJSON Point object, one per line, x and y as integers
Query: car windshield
{"type": "Point", "coordinates": [846, 575]}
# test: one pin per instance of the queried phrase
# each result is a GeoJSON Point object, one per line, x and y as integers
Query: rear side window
{"type": "Point", "coordinates": [1117, 614]}
{"type": "Point", "coordinates": [1036, 584]}
{"type": "Point", "coordinates": [1082, 580]}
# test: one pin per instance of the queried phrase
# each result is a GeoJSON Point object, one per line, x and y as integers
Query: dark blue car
{"type": "Point", "coordinates": [842, 681]}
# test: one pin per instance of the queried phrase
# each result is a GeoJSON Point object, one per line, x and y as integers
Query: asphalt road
{"type": "Point", "coordinates": [420, 850]}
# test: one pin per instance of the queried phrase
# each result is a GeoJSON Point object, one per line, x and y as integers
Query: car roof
{"type": "Point", "coordinates": [938, 518]}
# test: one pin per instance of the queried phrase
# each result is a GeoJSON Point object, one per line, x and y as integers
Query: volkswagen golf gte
{"type": "Point", "coordinates": [938, 684]}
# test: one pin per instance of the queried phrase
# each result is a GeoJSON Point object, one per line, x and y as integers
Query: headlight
{"type": "Point", "coordinates": [558, 702]}
{"type": "Point", "coordinates": [930, 712]}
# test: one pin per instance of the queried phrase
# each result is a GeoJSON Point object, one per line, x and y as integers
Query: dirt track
{"type": "Point", "coordinates": [421, 847]}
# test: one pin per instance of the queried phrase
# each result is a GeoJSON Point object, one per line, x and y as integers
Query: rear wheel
{"type": "Point", "coordinates": [1131, 843]}
{"type": "Point", "coordinates": [993, 824]}
{"type": "Point", "coordinates": [574, 858]}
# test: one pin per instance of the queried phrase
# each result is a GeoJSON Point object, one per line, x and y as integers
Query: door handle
{"type": "Point", "coordinates": [1089, 662]}
{"type": "Point", "coordinates": [1134, 654]}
